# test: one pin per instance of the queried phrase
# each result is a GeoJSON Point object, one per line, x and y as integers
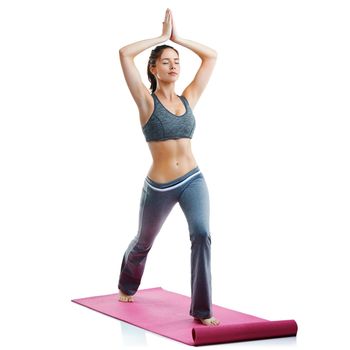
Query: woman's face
{"type": "Point", "coordinates": [167, 65]}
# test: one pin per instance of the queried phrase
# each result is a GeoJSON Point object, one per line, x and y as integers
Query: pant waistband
{"type": "Point", "coordinates": [173, 183]}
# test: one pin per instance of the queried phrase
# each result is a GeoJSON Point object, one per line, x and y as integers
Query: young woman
{"type": "Point", "coordinates": [168, 124]}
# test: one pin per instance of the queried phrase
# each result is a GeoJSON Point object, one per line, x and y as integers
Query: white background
{"type": "Point", "coordinates": [272, 141]}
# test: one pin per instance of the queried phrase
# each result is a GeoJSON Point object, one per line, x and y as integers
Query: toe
{"type": "Point", "coordinates": [215, 322]}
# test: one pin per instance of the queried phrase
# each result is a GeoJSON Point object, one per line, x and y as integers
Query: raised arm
{"type": "Point", "coordinates": [132, 75]}
{"type": "Point", "coordinates": [208, 56]}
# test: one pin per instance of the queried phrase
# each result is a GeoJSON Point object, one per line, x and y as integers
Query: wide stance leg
{"type": "Point", "coordinates": [154, 209]}
{"type": "Point", "coordinates": [194, 202]}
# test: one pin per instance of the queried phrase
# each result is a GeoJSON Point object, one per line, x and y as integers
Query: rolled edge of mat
{"type": "Point", "coordinates": [243, 331]}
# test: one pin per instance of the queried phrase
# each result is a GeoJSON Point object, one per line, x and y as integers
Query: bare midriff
{"type": "Point", "coordinates": [171, 159]}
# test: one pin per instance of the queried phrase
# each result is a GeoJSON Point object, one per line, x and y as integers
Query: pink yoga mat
{"type": "Point", "coordinates": [166, 313]}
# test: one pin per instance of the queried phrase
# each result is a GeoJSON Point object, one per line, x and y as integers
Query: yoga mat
{"type": "Point", "coordinates": [167, 313]}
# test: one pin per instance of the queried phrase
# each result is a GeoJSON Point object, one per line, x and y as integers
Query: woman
{"type": "Point", "coordinates": [174, 177]}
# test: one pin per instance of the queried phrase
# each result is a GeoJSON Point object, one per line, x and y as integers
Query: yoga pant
{"type": "Point", "coordinates": [157, 201]}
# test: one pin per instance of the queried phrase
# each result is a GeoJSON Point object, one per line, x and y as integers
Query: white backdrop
{"type": "Point", "coordinates": [272, 141]}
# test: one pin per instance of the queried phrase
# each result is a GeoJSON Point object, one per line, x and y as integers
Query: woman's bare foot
{"type": "Point", "coordinates": [124, 297]}
{"type": "Point", "coordinates": [211, 321]}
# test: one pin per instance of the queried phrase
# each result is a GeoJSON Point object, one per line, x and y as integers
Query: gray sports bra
{"type": "Point", "coordinates": [164, 125]}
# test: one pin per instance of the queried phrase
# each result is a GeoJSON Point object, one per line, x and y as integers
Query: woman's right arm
{"type": "Point", "coordinates": [132, 76]}
{"type": "Point", "coordinates": [134, 49]}
{"type": "Point", "coordinates": [131, 73]}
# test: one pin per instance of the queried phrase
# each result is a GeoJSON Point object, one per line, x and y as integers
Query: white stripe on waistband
{"type": "Point", "coordinates": [174, 186]}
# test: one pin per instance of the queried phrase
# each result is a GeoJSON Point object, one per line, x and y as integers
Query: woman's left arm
{"type": "Point", "coordinates": [208, 56]}
{"type": "Point", "coordinates": [204, 52]}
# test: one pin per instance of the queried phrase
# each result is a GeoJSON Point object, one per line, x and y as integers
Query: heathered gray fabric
{"type": "Point", "coordinates": [164, 125]}
{"type": "Point", "coordinates": [190, 191]}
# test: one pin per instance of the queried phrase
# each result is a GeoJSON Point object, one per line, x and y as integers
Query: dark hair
{"type": "Point", "coordinates": [155, 54]}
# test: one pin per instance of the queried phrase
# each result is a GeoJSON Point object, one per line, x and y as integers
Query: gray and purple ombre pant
{"type": "Point", "coordinates": [157, 201]}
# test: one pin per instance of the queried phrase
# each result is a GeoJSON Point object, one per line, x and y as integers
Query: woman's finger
{"type": "Point", "coordinates": [166, 15]}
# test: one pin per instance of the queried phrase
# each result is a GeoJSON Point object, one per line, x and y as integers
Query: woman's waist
{"type": "Point", "coordinates": [169, 169]}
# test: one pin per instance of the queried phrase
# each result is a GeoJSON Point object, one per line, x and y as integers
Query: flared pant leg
{"type": "Point", "coordinates": [194, 202]}
{"type": "Point", "coordinates": [154, 209]}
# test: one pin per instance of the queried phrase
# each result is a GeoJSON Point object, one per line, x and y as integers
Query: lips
{"type": "Point", "coordinates": [173, 73]}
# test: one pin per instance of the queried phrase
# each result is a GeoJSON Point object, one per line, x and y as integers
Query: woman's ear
{"type": "Point", "coordinates": [153, 70]}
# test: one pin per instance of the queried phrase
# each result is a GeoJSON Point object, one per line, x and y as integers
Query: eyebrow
{"type": "Point", "coordinates": [167, 58]}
